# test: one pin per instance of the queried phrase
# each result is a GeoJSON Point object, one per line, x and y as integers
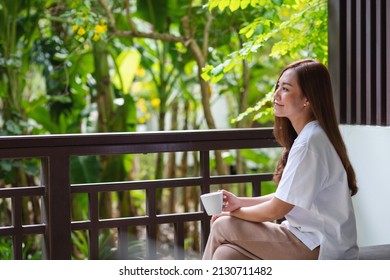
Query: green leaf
{"type": "Point", "coordinates": [205, 72]}
{"type": "Point", "coordinates": [212, 4]}
{"type": "Point", "coordinates": [217, 70]}
{"type": "Point", "coordinates": [85, 169]}
{"type": "Point", "coordinates": [217, 78]}
{"type": "Point", "coordinates": [42, 116]}
{"type": "Point", "coordinates": [128, 62]}
{"type": "Point", "coordinates": [244, 4]}
{"type": "Point", "coordinates": [6, 165]}
{"type": "Point", "coordinates": [247, 28]}
{"type": "Point", "coordinates": [254, 3]}
{"type": "Point", "coordinates": [250, 32]}
{"type": "Point", "coordinates": [277, 2]}
{"type": "Point", "coordinates": [234, 5]}
{"type": "Point", "coordinates": [12, 127]}
{"type": "Point", "coordinates": [60, 56]}
{"type": "Point", "coordinates": [223, 4]}
{"type": "Point", "coordinates": [205, 76]}
{"type": "Point", "coordinates": [229, 65]}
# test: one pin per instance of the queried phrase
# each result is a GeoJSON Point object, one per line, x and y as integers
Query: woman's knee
{"type": "Point", "coordinates": [227, 229]}
{"type": "Point", "coordinates": [222, 224]}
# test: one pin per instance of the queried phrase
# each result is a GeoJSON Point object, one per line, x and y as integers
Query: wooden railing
{"type": "Point", "coordinates": [55, 188]}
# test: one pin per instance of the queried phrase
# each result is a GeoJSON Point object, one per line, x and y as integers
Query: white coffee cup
{"type": "Point", "coordinates": [212, 202]}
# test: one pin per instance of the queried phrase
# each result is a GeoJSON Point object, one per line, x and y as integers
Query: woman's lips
{"type": "Point", "coordinates": [277, 104]}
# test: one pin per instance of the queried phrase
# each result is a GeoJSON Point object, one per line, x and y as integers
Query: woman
{"type": "Point", "coordinates": [315, 182]}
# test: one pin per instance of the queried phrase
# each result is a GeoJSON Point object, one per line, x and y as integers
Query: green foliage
{"type": "Point", "coordinates": [84, 169]}
{"type": "Point", "coordinates": [9, 168]}
{"type": "Point", "coordinates": [19, 24]}
{"type": "Point", "coordinates": [6, 249]}
{"type": "Point", "coordinates": [157, 12]}
{"type": "Point", "coordinates": [29, 250]}
{"type": "Point", "coordinates": [128, 62]}
{"type": "Point", "coordinates": [286, 30]}
{"type": "Point", "coordinates": [263, 110]}
{"type": "Point", "coordinates": [80, 245]}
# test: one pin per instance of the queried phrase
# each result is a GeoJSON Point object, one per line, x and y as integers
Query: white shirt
{"type": "Point", "coordinates": [315, 181]}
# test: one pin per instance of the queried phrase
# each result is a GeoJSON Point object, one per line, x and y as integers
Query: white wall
{"type": "Point", "coordinates": [369, 152]}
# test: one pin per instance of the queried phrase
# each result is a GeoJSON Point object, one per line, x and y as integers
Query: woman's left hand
{"type": "Point", "coordinates": [215, 217]}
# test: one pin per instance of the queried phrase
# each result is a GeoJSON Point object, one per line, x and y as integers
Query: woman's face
{"type": "Point", "coordinates": [289, 101]}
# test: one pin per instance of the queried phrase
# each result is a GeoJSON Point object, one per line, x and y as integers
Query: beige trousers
{"type": "Point", "coordinates": [235, 239]}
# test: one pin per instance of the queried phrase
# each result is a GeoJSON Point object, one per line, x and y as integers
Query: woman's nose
{"type": "Point", "coordinates": [276, 94]}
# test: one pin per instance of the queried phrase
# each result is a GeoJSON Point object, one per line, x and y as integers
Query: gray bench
{"type": "Point", "coordinates": [377, 252]}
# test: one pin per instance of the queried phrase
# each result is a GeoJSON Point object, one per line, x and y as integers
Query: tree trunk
{"type": "Point", "coordinates": [171, 165]}
{"type": "Point", "coordinates": [105, 110]}
{"type": "Point", "coordinates": [243, 104]}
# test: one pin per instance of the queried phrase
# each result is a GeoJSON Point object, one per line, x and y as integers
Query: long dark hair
{"type": "Point", "coordinates": [314, 81]}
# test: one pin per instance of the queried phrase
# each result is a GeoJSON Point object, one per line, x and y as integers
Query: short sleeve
{"type": "Point", "coordinates": [302, 178]}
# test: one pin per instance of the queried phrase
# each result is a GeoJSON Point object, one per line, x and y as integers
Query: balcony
{"type": "Point", "coordinates": [55, 189]}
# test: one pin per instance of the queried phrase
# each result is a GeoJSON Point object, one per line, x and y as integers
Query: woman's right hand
{"type": "Point", "coordinates": [229, 204]}
{"type": "Point", "coordinates": [230, 201]}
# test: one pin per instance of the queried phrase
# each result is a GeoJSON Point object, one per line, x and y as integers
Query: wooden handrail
{"type": "Point", "coordinates": [56, 189]}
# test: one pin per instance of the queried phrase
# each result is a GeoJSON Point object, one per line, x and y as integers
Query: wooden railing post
{"type": "Point", "coordinates": [151, 228]}
{"type": "Point", "coordinates": [55, 177]}
{"type": "Point", "coordinates": [205, 187]}
{"type": "Point", "coordinates": [17, 240]}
